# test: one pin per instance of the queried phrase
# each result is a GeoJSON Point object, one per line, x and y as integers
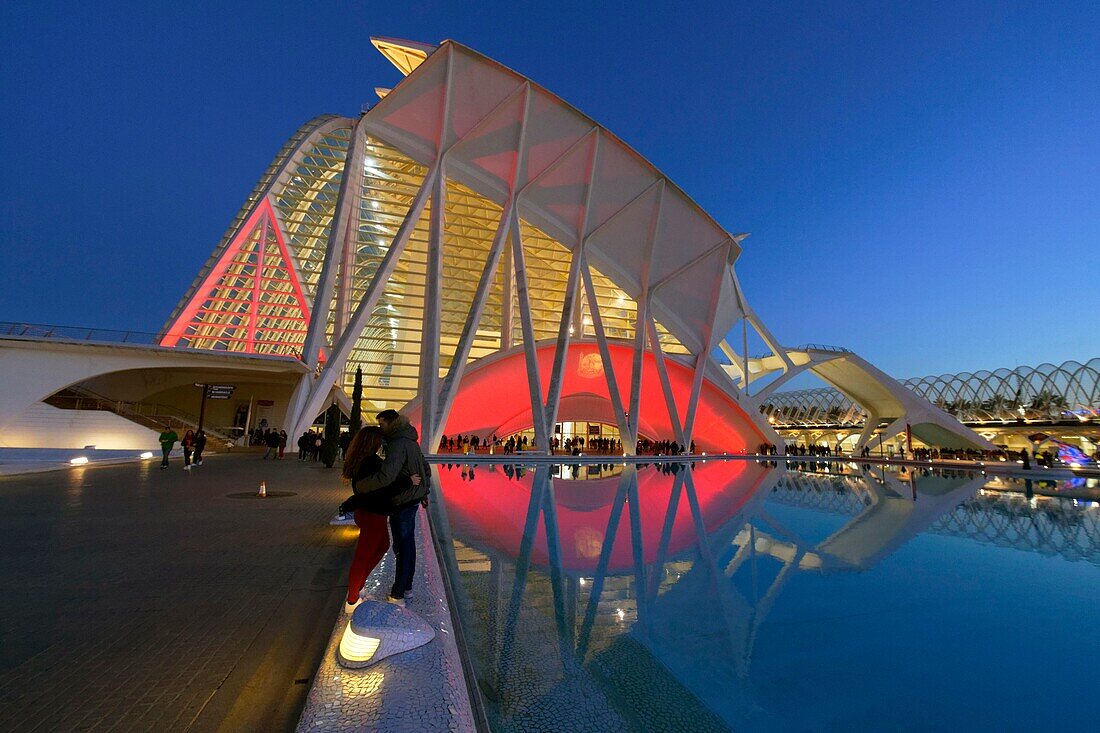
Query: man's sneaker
{"type": "Point", "coordinates": [408, 593]}
{"type": "Point", "coordinates": [349, 608]}
{"type": "Point", "coordinates": [396, 601]}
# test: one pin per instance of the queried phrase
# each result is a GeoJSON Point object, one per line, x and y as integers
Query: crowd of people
{"type": "Point", "coordinates": [192, 444]}
{"type": "Point", "coordinates": [572, 446]}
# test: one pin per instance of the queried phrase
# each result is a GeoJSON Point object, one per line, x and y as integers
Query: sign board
{"type": "Point", "coordinates": [219, 391]}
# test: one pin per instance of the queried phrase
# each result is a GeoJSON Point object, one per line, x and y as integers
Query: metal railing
{"type": "Point", "coordinates": [823, 347]}
{"type": "Point", "coordinates": [149, 414]}
{"type": "Point", "coordinates": [213, 344]}
{"type": "Point", "coordinates": [77, 333]}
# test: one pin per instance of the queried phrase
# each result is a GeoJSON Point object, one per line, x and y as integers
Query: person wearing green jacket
{"type": "Point", "coordinates": [168, 438]}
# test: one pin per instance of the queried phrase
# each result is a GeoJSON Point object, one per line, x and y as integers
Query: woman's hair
{"type": "Point", "coordinates": [364, 445]}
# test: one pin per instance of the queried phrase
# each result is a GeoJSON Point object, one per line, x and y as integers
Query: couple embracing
{"type": "Point", "coordinates": [386, 489]}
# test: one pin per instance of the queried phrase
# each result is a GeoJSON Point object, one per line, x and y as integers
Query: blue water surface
{"type": "Point", "coordinates": [740, 596]}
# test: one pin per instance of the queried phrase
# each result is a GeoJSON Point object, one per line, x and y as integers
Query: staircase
{"type": "Point", "coordinates": [154, 416]}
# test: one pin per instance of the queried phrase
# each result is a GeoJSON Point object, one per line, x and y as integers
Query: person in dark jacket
{"type": "Point", "coordinates": [200, 446]}
{"type": "Point", "coordinates": [403, 457]}
{"type": "Point", "coordinates": [370, 509]}
{"type": "Point", "coordinates": [188, 445]}
{"type": "Point", "coordinates": [271, 440]}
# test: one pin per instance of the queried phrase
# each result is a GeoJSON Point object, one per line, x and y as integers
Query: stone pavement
{"type": "Point", "coordinates": [138, 599]}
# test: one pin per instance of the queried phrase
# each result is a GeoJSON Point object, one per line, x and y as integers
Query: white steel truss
{"type": "Point", "coordinates": [468, 214]}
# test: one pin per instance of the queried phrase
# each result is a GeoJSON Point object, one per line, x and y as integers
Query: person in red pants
{"type": "Point", "coordinates": [371, 509]}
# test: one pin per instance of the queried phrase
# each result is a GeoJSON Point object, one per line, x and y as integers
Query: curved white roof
{"type": "Point", "coordinates": [501, 134]}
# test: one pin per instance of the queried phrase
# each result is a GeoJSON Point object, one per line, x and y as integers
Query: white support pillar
{"type": "Point", "coordinates": [469, 329]}
{"type": "Point", "coordinates": [662, 373]}
{"type": "Point", "coordinates": [488, 273]}
{"type": "Point", "coordinates": [561, 350]}
{"type": "Point", "coordinates": [428, 386]}
{"type": "Point", "coordinates": [507, 297]}
{"type": "Point", "coordinates": [311, 394]}
{"type": "Point", "coordinates": [347, 273]}
{"type": "Point", "coordinates": [640, 320]}
{"type": "Point", "coordinates": [347, 204]}
{"type": "Point", "coordinates": [892, 430]}
{"type": "Point", "coordinates": [605, 352]}
{"type": "Point", "coordinates": [746, 375]}
{"type": "Point", "coordinates": [534, 382]}
{"type": "Point", "coordinates": [703, 357]}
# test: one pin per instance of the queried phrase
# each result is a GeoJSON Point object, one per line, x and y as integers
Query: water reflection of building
{"type": "Point", "coordinates": [601, 585]}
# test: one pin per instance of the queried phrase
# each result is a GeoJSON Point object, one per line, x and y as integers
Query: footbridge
{"type": "Point", "coordinates": [1060, 399]}
{"type": "Point", "coordinates": [127, 373]}
{"type": "Point", "coordinates": [888, 407]}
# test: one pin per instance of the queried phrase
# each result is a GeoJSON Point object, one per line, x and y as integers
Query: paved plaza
{"type": "Point", "coordinates": [138, 599]}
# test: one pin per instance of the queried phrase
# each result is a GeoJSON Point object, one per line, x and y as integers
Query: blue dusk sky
{"type": "Point", "coordinates": [920, 179]}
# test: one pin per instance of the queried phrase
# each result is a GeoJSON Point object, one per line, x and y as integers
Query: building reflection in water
{"type": "Point", "coordinates": [632, 595]}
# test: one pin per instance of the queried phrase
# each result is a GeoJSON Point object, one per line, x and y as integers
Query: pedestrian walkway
{"type": "Point", "coordinates": [419, 690]}
{"type": "Point", "coordinates": [138, 599]}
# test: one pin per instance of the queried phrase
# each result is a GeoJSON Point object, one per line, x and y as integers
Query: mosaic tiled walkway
{"type": "Point", "coordinates": [419, 690]}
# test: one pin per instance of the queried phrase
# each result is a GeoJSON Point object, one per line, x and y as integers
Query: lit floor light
{"type": "Point", "coordinates": [79, 461]}
{"type": "Point", "coordinates": [357, 649]}
{"type": "Point", "coordinates": [378, 630]}
{"type": "Point", "coordinates": [147, 454]}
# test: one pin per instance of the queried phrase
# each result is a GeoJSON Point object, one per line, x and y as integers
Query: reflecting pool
{"type": "Point", "coordinates": [737, 595]}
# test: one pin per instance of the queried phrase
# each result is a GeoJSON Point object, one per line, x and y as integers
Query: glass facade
{"type": "Point", "coordinates": [304, 191]}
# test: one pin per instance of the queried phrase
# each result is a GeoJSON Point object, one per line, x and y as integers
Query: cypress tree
{"type": "Point", "coordinates": [330, 443]}
{"type": "Point", "coordinates": [356, 421]}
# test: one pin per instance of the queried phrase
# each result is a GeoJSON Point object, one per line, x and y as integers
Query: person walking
{"type": "Point", "coordinates": [200, 446]}
{"type": "Point", "coordinates": [168, 438]}
{"type": "Point", "coordinates": [370, 509]}
{"type": "Point", "coordinates": [188, 445]}
{"type": "Point", "coordinates": [271, 440]}
{"type": "Point", "coordinates": [403, 457]}
{"type": "Point", "coordinates": [282, 443]}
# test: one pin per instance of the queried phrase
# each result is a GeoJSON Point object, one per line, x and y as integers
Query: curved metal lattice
{"type": "Point", "coordinates": [1053, 526]}
{"type": "Point", "coordinates": [1045, 393]}
{"type": "Point", "coordinates": [812, 407]}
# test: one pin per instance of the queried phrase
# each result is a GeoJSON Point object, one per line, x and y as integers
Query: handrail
{"type": "Point", "coordinates": [149, 411]}
{"type": "Point", "coordinates": [77, 333]}
{"type": "Point", "coordinates": [823, 347]}
{"type": "Point", "coordinates": [115, 336]}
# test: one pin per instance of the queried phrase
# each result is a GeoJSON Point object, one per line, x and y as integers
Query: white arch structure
{"type": "Point", "coordinates": [473, 213]}
{"type": "Point", "coordinates": [1067, 393]}
{"type": "Point", "coordinates": [889, 406]}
